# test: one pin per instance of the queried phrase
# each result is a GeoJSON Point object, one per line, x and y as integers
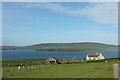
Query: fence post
{"type": "Point", "coordinates": [28, 67]}
{"type": "Point", "coordinates": [11, 69]}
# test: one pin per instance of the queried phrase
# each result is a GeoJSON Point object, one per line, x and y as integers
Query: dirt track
{"type": "Point", "coordinates": [116, 69]}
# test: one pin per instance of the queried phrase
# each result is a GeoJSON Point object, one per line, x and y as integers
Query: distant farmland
{"type": "Point", "coordinates": [66, 46]}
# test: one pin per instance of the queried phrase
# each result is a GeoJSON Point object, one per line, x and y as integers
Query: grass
{"type": "Point", "coordinates": [25, 62]}
{"type": "Point", "coordinates": [79, 70]}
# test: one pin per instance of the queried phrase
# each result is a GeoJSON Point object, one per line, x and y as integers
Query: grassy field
{"type": "Point", "coordinates": [21, 62]}
{"type": "Point", "coordinates": [78, 70]}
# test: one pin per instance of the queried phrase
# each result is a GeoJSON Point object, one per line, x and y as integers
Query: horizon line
{"type": "Point", "coordinates": [65, 43]}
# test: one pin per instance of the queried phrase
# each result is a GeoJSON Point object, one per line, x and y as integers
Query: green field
{"type": "Point", "coordinates": [76, 70]}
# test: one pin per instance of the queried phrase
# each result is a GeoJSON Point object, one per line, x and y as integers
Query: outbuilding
{"type": "Point", "coordinates": [51, 60]}
{"type": "Point", "coordinates": [75, 59]}
{"type": "Point", "coordinates": [65, 60]}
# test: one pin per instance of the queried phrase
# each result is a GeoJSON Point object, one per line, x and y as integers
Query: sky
{"type": "Point", "coordinates": [28, 23]}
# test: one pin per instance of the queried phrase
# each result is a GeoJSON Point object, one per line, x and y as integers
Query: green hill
{"type": "Point", "coordinates": [67, 46]}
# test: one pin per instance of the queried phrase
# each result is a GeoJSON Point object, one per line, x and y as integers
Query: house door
{"type": "Point", "coordinates": [52, 62]}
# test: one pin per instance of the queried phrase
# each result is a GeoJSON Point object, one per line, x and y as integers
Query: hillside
{"type": "Point", "coordinates": [7, 47]}
{"type": "Point", "coordinates": [67, 46]}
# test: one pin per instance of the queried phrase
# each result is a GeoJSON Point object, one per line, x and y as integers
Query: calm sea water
{"type": "Point", "coordinates": [32, 54]}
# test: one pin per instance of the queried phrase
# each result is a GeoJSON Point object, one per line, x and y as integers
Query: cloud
{"type": "Point", "coordinates": [105, 13]}
{"type": "Point", "coordinates": [51, 6]}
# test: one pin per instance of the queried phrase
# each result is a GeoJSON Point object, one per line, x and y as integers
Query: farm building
{"type": "Point", "coordinates": [82, 59]}
{"type": "Point", "coordinates": [51, 60]}
{"type": "Point", "coordinates": [75, 59]}
{"type": "Point", "coordinates": [65, 60]}
{"type": "Point", "coordinates": [97, 56]}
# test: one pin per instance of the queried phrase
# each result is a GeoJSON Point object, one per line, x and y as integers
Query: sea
{"type": "Point", "coordinates": [33, 54]}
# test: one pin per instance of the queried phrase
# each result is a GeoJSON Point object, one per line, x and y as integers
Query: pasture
{"type": "Point", "coordinates": [33, 68]}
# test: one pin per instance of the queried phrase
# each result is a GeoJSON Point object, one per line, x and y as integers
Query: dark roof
{"type": "Point", "coordinates": [93, 55]}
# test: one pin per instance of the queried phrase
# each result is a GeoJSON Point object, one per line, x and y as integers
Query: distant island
{"type": "Point", "coordinates": [83, 46]}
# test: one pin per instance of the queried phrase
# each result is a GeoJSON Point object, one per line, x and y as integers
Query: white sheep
{"type": "Point", "coordinates": [106, 61]}
{"type": "Point", "coordinates": [18, 68]}
{"type": "Point", "coordinates": [23, 67]}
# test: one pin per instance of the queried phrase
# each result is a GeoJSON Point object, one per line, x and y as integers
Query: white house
{"type": "Point", "coordinates": [97, 56]}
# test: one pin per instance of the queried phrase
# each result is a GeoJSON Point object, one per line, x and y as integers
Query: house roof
{"type": "Point", "coordinates": [75, 58]}
{"type": "Point", "coordinates": [93, 55]}
{"type": "Point", "coordinates": [52, 58]}
{"type": "Point", "coordinates": [65, 59]}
